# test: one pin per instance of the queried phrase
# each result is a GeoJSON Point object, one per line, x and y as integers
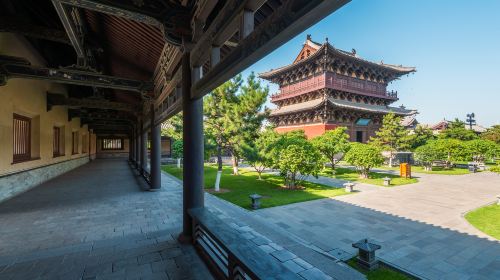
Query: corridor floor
{"type": "Point", "coordinates": [94, 222]}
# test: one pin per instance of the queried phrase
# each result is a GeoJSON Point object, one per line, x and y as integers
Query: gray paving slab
{"type": "Point", "coordinates": [420, 226]}
{"type": "Point", "coordinates": [94, 222]}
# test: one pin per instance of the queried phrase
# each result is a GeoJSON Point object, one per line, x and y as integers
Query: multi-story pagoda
{"type": "Point", "coordinates": [325, 88]}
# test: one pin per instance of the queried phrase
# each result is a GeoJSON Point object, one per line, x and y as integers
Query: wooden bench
{"type": "Point", "coordinates": [230, 256]}
{"type": "Point", "coordinates": [439, 163]}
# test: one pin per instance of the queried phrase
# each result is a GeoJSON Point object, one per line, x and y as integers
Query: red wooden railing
{"type": "Point", "coordinates": [334, 81]}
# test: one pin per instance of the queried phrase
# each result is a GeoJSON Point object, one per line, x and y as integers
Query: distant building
{"type": "Point", "coordinates": [325, 88]}
{"type": "Point", "coordinates": [409, 122]}
{"type": "Point", "coordinates": [443, 124]}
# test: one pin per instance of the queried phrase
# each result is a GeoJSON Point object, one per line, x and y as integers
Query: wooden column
{"type": "Point", "coordinates": [155, 168]}
{"type": "Point", "coordinates": [144, 148]}
{"type": "Point", "coordinates": [193, 196]}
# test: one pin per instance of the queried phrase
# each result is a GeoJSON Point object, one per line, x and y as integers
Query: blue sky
{"type": "Point", "coordinates": [454, 44]}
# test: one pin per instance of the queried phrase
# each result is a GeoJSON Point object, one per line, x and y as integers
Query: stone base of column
{"type": "Point", "coordinates": [184, 239]}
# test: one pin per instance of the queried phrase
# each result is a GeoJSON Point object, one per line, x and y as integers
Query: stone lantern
{"type": "Point", "coordinates": [366, 254]}
{"type": "Point", "coordinates": [348, 187]}
{"type": "Point", "coordinates": [255, 201]}
{"type": "Point", "coordinates": [387, 181]}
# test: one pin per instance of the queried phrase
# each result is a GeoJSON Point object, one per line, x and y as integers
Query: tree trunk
{"type": "Point", "coordinates": [259, 172]}
{"type": "Point", "coordinates": [390, 159]}
{"type": "Point", "coordinates": [235, 165]}
{"type": "Point", "coordinates": [333, 165]}
{"type": "Point", "coordinates": [219, 168]}
{"type": "Point", "coordinates": [364, 174]}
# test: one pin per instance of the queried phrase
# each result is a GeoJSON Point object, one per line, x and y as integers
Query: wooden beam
{"type": "Point", "coordinates": [54, 99]}
{"type": "Point", "coordinates": [71, 31]}
{"type": "Point", "coordinates": [14, 25]}
{"type": "Point", "coordinates": [225, 20]}
{"type": "Point", "coordinates": [15, 67]}
{"type": "Point", "coordinates": [173, 18]}
{"type": "Point", "coordinates": [286, 22]}
{"type": "Point", "coordinates": [116, 9]}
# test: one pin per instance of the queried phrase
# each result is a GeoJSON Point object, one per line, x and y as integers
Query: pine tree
{"type": "Point", "coordinates": [233, 115]}
{"type": "Point", "coordinates": [392, 136]}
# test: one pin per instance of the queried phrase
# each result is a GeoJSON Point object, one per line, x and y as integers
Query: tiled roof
{"type": "Point", "coordinates": [342, 104]}
{"type": "Point", "coordinates": [408, 120]}
{"type": "Point", "coordinates": [398, 68]}
{"type": "Point", "coordinates": [370, 107]}
{"type": "Point", "coordinates": [297, 107]}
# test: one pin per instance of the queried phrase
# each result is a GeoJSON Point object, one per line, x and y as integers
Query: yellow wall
{"type": "Point", "coordinates": [28, 98]}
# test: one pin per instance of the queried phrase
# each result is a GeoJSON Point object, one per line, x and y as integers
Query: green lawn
{"type": "Point", "coordinates": [374, 177]}
{"type": "Point", "coordinates": [441, 170]}
{"type": "Point", "coordinates": [486, 219]}
{"type": "Point", "coordinates": [382, 273]}
{"type": "Point", "coordinates": [435, 170]}
{"type": "Point", "coordinates": [240, 187]}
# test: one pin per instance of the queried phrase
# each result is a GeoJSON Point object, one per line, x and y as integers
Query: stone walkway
{"type": "Point", "coordinates": [297, 254]}
{"type": "Point", "coordinates": [420, 226]}
{"type": "Point", "coordinates": [95, 223]}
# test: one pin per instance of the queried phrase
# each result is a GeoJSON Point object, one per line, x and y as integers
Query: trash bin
{"type": "Point", "coordinates": [405, 170]}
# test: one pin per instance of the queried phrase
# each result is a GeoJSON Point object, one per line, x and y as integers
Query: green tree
{"type": "Point", "coordinates": [364, 157]}
{"type": "Point", "coordinates": [332, 143]}
{"type": "Point", "coordinates": [291, 153]}
{"type": "Point", "coordinates": [218, 111]}
{"type": "Point", "coordinates": [392, 136]}
{"type": "Point", "coordinates": [234, 114]}
{"type": "Point", "coordinates": [456, 130]}
{"type": "Point", "coordinates": [428, 153]}
{"type": "Point", "coordinates": [452, 149]}
{"type": "Point", "coordinates": [254, 152]}
{"type": "Point", "coordinates": [480, 150]}
{"type": "Point", "coordinates": [177, 149]}
{"type": "Point", "coordinates": [420, 136]}
{"type": "Point", "coordinates": [276, 143]}
{"type": "Point", "coordinates": [298, 161]}
{"type": "Point", "coordinates": [492, 134]}
{"type": "Point", "coordinates": [173, 127]}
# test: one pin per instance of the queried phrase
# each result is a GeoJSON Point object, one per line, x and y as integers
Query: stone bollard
{"type": "Point", "coordinates": [366, 254]}
{"type": "Point", "coordinates": [349, 187]}
{"type": "Point", "coordinates": [387, 181]}
{"type": "Point", "coordinates": [255, 201]}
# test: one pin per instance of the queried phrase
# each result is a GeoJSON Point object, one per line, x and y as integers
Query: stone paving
{"type": "Point", "coordinates": [298, 255]}
{"type": "Point", "coordinates": [420, 226]}
{"type": "Point", "coordinates": [105, 227]}
{"type": "Point", "coordinates": [94, 222]}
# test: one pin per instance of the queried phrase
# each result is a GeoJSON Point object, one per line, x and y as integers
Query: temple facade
{"type": "Point", "coordinates": [325, 88]}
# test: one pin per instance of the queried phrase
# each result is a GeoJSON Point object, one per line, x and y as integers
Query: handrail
{"type": "Point", "coordinates": [228, 254]}
{"type": "Point", "coordinates": [333, 81]}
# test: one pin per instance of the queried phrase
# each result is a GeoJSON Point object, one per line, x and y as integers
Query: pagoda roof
{"type": "Point", "coordinates": [312, 104]}
{"type": "Point", "coordinates": [326, 47]}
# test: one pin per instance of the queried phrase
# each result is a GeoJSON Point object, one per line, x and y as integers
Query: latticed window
{"type": "Point", "coordinates": [75, 142]}
{"type": "Point", "coordinates": [22, 138]}
{"type": "Point", "coordinates": [85, 144]}
{"type": "Point", "coordinates": [112, 144]}
{"type": "Point", "coordinates": [57, 142]}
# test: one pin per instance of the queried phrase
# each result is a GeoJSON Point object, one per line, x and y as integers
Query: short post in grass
{"type": "Point", "coordinates": [179, 163]}
{"type": "Point", "coordinates": [498, 199]}
{"type": "Point", "coordinates": [255, 201]}
{"type": "Point", "coordinates": [366, 254]}
{"type": "Point", "coordinates": [387, 181]}
{"type": "Point", "coordinates": [349, 187]}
